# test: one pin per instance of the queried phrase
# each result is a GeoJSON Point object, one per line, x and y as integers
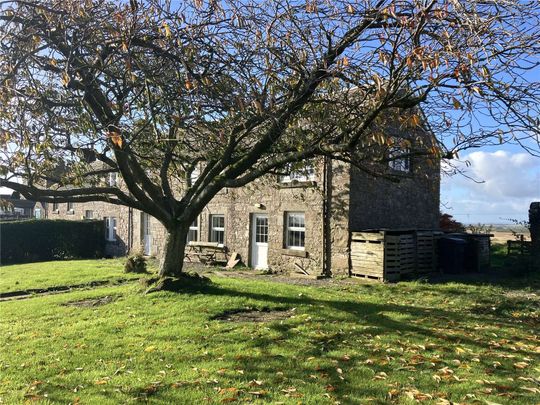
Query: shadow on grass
{"type": "Point", "coordinates": [349, 324]}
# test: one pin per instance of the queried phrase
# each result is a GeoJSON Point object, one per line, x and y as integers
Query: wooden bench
{"type": "Point", "coordinates": [208, 253]}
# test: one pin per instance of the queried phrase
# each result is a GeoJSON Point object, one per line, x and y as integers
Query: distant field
{"type": "Point", "coordinates": [503, 236]}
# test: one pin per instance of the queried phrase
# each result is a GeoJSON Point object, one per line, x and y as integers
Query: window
{"type": "Point", "coordinates": [217, 228]}
{"type": "Point", "coordinates": [37, 213]}
{"type": "Point", "coordinates": [112, 179]}
{"type": "Point", "coordinates": [70, 208]}
{"type": "Point", "coordinates": [88, 214]}
{"type": "Point", "coordinates": [193, 234]}
{"type": "Point", "coordinates": [399, 159]}
{"type": "Point", "coordinates": [194, 175]}
{"type": "Point", "coordinates": [55, 207]}
{"type": "Point", "coordinates": [304, 172]}
{"type": "Point", "coordinates": [110, 229]}
{"type": "Point", "coordinates": [295, 236]}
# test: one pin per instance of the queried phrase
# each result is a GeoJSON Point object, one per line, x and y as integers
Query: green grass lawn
{"type": "Point", "coordinates": [20, 277]}
{"type": "Point", "coordinates": [346, 343]}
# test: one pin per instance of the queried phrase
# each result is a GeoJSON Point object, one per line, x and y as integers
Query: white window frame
{"type": "Point", "coordinates": [194, 227]}
{"type": "Point", "coordinates": [110, 229]}
{"type": "Point", "coordinates": [86, 214]}
{"type": "Point", "coordinates": [214, 229]}
{"type": "Point", "coordinates": [70, 208]}
{"type": "Point", "coordinates": [289, 229]}
{"type": "Point", "coordinates": [400, 164]}
{"type": "Point", "coordinates": [306, 173]}
{"type": "Point", "coordinates": [113, 179]}
{"type": "Point", "coordinates": [37, 213]}
{"type": "Point", "coordinates": [194, 176]}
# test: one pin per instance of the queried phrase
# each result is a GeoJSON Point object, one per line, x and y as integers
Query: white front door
{"type": "Point", "coordinates": [146, 236]}
{"type": "Point", "coordinates": [259, 241]}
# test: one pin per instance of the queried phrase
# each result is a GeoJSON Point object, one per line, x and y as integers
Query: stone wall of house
{"type": "Point", "coordinates": [338, 214]}
{"type": "Point", "coordinates": [413, 202]}
{"type": "Point", "coordinates": [356, 201]}
{"type": "Point", "coordinates": [268, 196]}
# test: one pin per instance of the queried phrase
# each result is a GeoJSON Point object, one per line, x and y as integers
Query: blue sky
{"type": "Point", "coordinates": [505, 180]}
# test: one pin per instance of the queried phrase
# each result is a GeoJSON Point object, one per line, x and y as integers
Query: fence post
{"type": "Point", "coordinates": [534, 221]}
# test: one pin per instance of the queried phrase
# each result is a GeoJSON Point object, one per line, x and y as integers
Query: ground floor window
{"type": "Point", "coordinates": [193, 234]}
{"type": "Point", "coordinates": [70, 208]}
{"type": "Point", "coordinates": [88, 214]}
{"type": "Point", "coordinates": [110, 228]}
{"type": "Point", "coordinates": [295, 234]}
{"type": "Point", "coordinates": [37, 213]}
{"type": "Point", "coordinates": [217, 228]}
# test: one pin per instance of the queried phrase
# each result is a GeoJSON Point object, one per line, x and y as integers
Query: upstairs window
{"type": "Point", "coordinates": [399, 159]}
{"type": "Point", "coordinates": [70, 208]}
{"type": "Point", "coordinates": [194, 175]}
{"type": "Point", "coordinates": [193, 234]}
{"type": "Point", "coordinates": [217, 228]}
{"type": "Point", "coordinates": [305, 172]}
{"type": "Point", "coordinates": [55, 207]}
{"type": "Point", "coordinates": [112, 179]}
{"type": "Point", "coordinates": [295, 232]}
{"type": "Point", "coordinates": [110, 229]}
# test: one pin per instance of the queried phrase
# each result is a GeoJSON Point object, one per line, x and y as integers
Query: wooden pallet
{"type": "Point", "coordinates": [381, 255]}
{"type": "Point", "coordinates": [426, 251]}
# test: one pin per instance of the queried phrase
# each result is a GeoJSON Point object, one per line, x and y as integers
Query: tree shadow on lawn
{"type": "Point", "coordinates": [372, 316]}
{"type": "Point", "coordinates": [287, 345]}
{"type": "Point", "coordinates": [284, 347]}
{"type": "Point", "coordinates": [447, 329]}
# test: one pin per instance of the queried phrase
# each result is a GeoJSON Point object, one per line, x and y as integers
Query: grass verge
{"type": "Point", "coordinates": [20, 277]}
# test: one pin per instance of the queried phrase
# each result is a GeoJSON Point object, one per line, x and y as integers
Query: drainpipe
{"type": "Point", "coordinates": [327, 196]}
{"type": "Point", "coordinates": [130, 230]}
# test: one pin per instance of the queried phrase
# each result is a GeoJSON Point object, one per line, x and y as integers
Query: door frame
{"type": "Point", "coordinates": [252, 239]}
{"type": "Point", "coordinates": [145, 225]}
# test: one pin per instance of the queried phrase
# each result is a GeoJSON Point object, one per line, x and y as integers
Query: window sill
{"type": "Point", "coordinates": [401, 173]}
{"type": "Point", "coordinates": [294, 252]}
{"type": "Point", "coordinates": [297, 184]}
{"type": "Point", "coordinates": [70, 213]}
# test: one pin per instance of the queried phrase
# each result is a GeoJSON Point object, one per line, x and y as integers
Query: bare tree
{"type": "Point", "coordinates": [154, 90]}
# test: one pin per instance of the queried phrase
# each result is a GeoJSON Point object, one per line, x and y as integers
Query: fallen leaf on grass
{"type": "Point", "coordinates": [521, 365]}
{"type": "Point", "coordinates": [231, 390]}
{"type": "Point", "coordinates": [531, 389]}
{"type": "Point", "coordinates": [255, 382]}
{"type": "Point", "coordinates": [150, 349]}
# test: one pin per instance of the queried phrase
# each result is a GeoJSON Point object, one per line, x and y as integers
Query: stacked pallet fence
{"type": "Point", "coordinates": [382, 255]}
{"type": "Point", "coordinates": [426, 250]}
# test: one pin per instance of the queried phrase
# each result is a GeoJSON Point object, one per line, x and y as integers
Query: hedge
{"type": "Point", "coordinates": [42, 240]}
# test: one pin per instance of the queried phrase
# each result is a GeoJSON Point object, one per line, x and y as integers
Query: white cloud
{"type": "Point", "coordinates": [509, 182]}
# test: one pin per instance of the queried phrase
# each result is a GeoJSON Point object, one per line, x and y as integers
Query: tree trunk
{"type": "Point", "coordinates": [172, 261]}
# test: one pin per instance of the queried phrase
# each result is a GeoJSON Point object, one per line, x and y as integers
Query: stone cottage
{"type": "Point", "coordinates": [296, 222]}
